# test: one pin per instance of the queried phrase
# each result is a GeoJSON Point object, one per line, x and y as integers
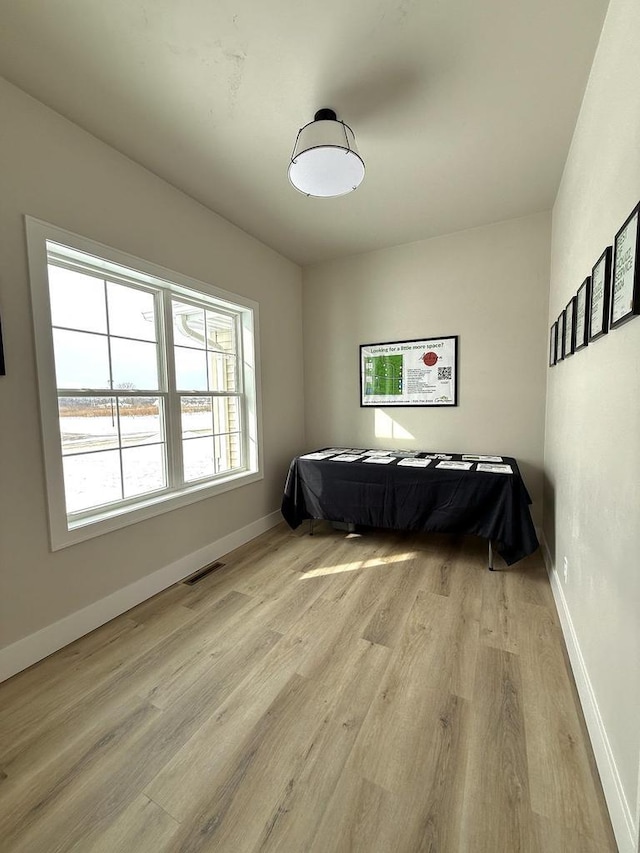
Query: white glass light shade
{"type": "Point", "coordinates": [325, 160]}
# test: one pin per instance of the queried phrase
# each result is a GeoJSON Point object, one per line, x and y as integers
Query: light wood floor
{"type": "Point", "coordinates": [382, 693]}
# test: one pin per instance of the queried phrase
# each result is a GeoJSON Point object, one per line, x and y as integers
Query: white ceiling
{"type": "Point", "coordinates": [463, 110]}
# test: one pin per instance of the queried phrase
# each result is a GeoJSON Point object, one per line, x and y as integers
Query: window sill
{"type": "Point", "coordinates": [89, 527]}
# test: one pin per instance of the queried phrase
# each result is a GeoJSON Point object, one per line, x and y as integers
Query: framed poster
{"type": "Point", "coordinates": [569, 339]}
{"type": "Point", "coordinates": [553, 344]}
{"type": "Point", "coordinates": [421, 372]}
{"type": "Point", "coordinates": [600, 293]}
{"type": "Point", "coordinates": [625, 290]}
{"type": "Point", "coordinates": [560, 346]}
{"type": "Point", "coordinates": [582, 314]}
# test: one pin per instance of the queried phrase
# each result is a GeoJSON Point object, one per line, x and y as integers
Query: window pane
{"type": "Point", "coordinates": [131, 312]}
{"type": "Point", "coordinates": [82, 360]}
{"type": "Point", "coordinates": [87, 423]}
{"type": "Point", "coordinates": [197, 456]}
{"type": "Point", "coordinates": [221, 332]}
{"type": "Point", "coordinates": [143, 469]}
{"type": "Point", "coordinates": [225, 414]}
{"type": "Point", "coordinates": [92, 480]}
{"type": "Point", "coordinates": [134, 365]}
{"type": "Point", "coordinates": [222, 372]}
{"type": "Point", "coordinates": [228, 454]}
{"type": "Point", "coordinates": [77, 300]}
{"type": "Point", "coordinates": [191, 369]}
{"type": "Point", "coordinates": [197, 416]}
{"type": "Point", "coordinates": [140, 420]}
{"type": "Point", "coordinates": [188, 325]}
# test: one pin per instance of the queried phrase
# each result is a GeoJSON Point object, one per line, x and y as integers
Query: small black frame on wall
{"type": "Point", "coordinates": [569, 336]}
{"type": "Point", "coordinates": [553, 344]}
{"type": "Point", "coordinates": [561, 323]}
{"type": "Point", "coordinates": [583, 301]}
{"type": "Point", "coordinates": [625, 289]}
{"type": "Point", "coordinates": [600, 294]}
{"type": "Point", "coordinates": [2, 366]}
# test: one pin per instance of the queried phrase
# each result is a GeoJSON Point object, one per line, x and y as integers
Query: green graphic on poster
{"type": "Point", "coordinates": [383, 375]}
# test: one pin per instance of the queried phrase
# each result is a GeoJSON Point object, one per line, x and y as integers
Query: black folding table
{"type": "Point", "coordinates": [492, 505]}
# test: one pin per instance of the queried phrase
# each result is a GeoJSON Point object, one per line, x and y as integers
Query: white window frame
{"type": "Point", "coordinates": [132, 270]}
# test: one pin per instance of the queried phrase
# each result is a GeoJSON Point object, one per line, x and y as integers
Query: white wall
{"type": "Point", "coordinates": [592, 452]}
{"type": "Point", "coordinates": [489, 286]}
{"type": "Point", "coordinates": [54, 171]}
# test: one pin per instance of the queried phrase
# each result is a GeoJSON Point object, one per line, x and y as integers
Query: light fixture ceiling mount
{"type": "Point", "coordinates": [325, 161]}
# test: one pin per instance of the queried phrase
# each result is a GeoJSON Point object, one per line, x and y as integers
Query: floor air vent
{"type": "Point", "coordinates": [203, 573]}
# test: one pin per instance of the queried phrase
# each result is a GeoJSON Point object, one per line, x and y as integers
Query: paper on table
{"type": "Point", "coordinates": [346, 457]}
{"type": "Point", "coordinates": [338, 450]}
{"type": "Point", "coordinates": [377, 452]}
{"type": "Point", "coordinates": [437, 456]}
{"type": "Point", "coordinates": [380, 460]}
{"type": "Point", "coordinates": [415, 463]}
{"type": "Point", "coordinates": [458, 466]}
{"type": "Point", "coordinates": [494, 469]}
{"type": "Point", "coordinates": [473, 458]}
{"type": "Point", "coordinates": [323, 455]}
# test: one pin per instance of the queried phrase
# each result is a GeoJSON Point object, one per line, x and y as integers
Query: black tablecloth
{"type": "Point", "coordinates": [492, 505]}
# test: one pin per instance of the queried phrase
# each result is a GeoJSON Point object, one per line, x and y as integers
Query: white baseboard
{"type": "Point", "coordinates": [35, 647]}
{"type": "Point", "coordinates": [621, 818]}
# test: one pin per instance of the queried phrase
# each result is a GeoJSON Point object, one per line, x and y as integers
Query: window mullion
{"type": "Point", "coordinates": [107, 318]}
{"type": "Point", "coordinates": [175, 472]}
{"type": "Point", "coordinates": [106, 392]}
{"type": "Point", "coordinates": [243, 401]}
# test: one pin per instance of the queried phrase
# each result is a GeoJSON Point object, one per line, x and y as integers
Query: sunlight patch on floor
{"type": "Point", "coordinates": [354, 567]}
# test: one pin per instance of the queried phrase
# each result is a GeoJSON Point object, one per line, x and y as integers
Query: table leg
{"type": "Point", "coordinates": [310, 527]}
{"type": "Point", "coordinates": [490, 557]}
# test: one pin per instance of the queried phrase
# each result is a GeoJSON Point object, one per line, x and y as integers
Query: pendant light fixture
{"type": "Point", "coordinates": [325, 161]}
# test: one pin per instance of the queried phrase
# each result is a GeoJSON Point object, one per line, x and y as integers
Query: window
{"type": "Point", "coordinates": [148, 387]}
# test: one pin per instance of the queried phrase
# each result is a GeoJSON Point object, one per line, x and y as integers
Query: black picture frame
{"type": "Point", "coordinates": [625, 282]}
{"type": "Point", "coordinates": [569, 331]}
{"type": "Point", "coordinates": [553, 344]}
{"type": "Point", "coordinates": [3, 371]}
{"type": "Point", "coordinates": [417, 372]}
{"type": "Point", "coordinates": [600, 295]}
{"type": "Point", "coordinates": [560, 350]}
{"type": "Point", "coordinates": [583, 304]}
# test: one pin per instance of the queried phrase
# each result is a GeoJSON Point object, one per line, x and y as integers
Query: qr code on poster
{"type": "Point", "coordinates": [444, 373]}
